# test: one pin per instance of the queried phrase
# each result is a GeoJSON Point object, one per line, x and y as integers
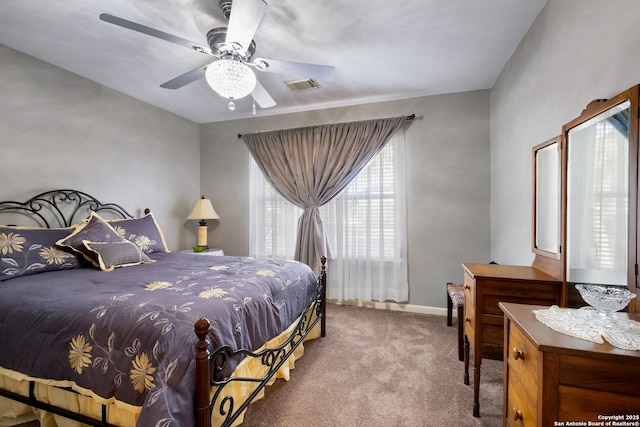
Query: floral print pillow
{"type": "Point", "coordinates": [29, 250]}
{"type": "Point", "coordinates": [95, 229]}
{"type": "Point", "coordinates": [144, 232]}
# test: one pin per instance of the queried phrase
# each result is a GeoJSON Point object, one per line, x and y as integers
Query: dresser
{"type": "Point", "coordinates": [552, 379]}
{"type": "Point", "coordinates": [485, 286]}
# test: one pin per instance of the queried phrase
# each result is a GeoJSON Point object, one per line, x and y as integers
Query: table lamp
{"type": "Point", "coordinates": [202, 210]}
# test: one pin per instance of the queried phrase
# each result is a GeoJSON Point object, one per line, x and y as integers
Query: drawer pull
{"type": "Point", "coordinates": [468, 320]}
{"type": "Point", "coordinates": [518, 354]}
{"type": "Point", "coordinates": [467, 287]}
{"type": "Point", "coordinates": [517, 414]}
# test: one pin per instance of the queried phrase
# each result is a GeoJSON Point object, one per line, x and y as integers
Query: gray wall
{"type": "Point", "coordinates": [58, 130]}
{"type": "Point", "coordinates": [448, 181]}
{"type": "Point", "coordinates": [575, 52]}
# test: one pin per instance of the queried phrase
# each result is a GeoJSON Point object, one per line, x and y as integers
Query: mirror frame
{"type": "Point", "coordinates": [592, 110]}
{"type": "Point", "coordinates": [536, 205]}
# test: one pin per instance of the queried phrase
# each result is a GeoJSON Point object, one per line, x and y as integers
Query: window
{"type": "Point", "coordinates": [610, 205]}
{"type": "Point", "coordinates": [362, 220]}
{"type": "Point", "coordinates": [365, 225]}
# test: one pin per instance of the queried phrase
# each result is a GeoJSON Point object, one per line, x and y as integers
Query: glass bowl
{"type": "Point", "coordinates": [605, 299]}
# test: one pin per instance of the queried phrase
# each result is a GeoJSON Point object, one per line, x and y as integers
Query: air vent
{"type": "Point", "coordinates": [302, 84]}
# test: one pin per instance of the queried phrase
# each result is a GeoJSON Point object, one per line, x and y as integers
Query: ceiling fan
{"type": "Point", "coordinates": [231, 73]}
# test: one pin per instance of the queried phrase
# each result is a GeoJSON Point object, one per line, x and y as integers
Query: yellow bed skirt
{"type": "Point", "coordinates": [119, 413]}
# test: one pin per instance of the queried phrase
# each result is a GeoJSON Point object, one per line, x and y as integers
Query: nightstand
{"type": "Point", "coordinates": [210, 252]}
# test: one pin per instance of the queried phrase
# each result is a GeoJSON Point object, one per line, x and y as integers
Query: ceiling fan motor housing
{"type": "Point", "coordinates": [225, 5]}
{"type": "Point", "coordinates": [216, 38]}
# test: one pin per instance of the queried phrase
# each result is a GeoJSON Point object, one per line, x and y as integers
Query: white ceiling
{"type": "Point", "coordinates": [381, 49]}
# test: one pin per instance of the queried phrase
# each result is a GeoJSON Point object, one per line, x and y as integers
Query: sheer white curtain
{"type": "Point", "coordinates": [366, 228]}
{"type": "Point", "coordinates": [273, 224]}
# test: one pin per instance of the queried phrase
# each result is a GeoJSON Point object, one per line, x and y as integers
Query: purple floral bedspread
{"type": "Point", "coordinates": [129, 333]}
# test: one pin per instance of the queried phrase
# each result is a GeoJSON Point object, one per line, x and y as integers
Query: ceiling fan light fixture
{"type": "Point", "coordinates": [230, 78]}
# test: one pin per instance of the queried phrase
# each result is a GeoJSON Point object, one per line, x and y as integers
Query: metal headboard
{"type": "Point", "coordinates": [58, 208]}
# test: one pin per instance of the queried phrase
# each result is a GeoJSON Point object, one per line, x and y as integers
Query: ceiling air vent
{"type": "Point", "coordinates": [302, 84]}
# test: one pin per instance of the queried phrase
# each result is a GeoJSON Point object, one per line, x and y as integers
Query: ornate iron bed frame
{"type": "Point", "coordinates": [63, 208]}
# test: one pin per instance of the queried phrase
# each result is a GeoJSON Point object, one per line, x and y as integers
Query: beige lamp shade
{"type": "Point", "coordinates": [202, 211]}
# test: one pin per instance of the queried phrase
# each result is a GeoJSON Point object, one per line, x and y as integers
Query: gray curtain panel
{"type": "Point", "coordinates": [310, 166]}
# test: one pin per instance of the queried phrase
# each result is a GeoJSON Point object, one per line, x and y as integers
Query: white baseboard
{"type": "Point", "coordinates": [394, 306]}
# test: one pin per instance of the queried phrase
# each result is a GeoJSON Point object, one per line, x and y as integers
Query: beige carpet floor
{"type": "Point", "coordinates": [380, 368]}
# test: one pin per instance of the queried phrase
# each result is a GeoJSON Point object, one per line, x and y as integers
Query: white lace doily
{"type": "Point", "coordinates": [584, 324]}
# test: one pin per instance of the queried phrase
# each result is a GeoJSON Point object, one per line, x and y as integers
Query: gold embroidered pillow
{"type": "Point", "coordinates": [31, 250]}
{"type": "Point", "coordinates": [144, 232]}
{"type": "Point", "coordinates": [111, 255]}
{"type": "Point", "coordinates": [95, 229]}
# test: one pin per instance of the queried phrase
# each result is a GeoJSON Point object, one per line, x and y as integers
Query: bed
{"type": "Point", "coordinates": [101, 325]}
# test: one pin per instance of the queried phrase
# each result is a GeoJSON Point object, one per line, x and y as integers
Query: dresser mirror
{"type": "Point", "coordinates": [598, 193]}
{"type": "Point", "coordinates": [546, 198]}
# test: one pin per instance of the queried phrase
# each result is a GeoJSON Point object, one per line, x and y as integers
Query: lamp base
{"type": "Point", "coordinates": [202, 238]}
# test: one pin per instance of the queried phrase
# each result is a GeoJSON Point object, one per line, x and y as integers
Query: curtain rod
{"type": "Point", "coordinates": [407, 118]}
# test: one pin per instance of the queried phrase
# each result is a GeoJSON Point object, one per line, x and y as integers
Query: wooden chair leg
{"type": "Point", "coordinates": [466, 361]}
{"type": "Point", "coordinates": [460, 332]}
{"type": "Point", "coordinates": [449, 310]}
{"type": "Point", "coordinates": [476, 389]}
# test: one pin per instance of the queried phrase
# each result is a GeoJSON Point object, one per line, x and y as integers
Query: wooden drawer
{"type": "Point", "coordinates": [615, 376]}
{"type": "Point", "coordinates": [469, 320]}
{"type": "Point", "coordinates": [586, 405]}
{"type": "Point", "coordinates": [521, 405]}
{"type": "Point", "coordinates": [493, 329]}
{"type": "Point", "coordinates": [469, 291]}
{"type": "Point", "coordinates": [523, 358]}
{"type": "Point", "coordinates": [590, 387]}
{"type": "Point", "coordinates": [522, 367]}
{"type": "Point", "coordinates": [490, 302]}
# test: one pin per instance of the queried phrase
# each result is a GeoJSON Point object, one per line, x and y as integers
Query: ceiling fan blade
{"type": "Point", "coordinates": [262, 97]}
{"type": "Point", "coordinates": [154, 33]}
{"type": "Point", "coordinates": [186, 78]}
{"type": "Point", "coordinates": [244, 21]}
{"type": "Point", "coordinates": [300, 69]}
